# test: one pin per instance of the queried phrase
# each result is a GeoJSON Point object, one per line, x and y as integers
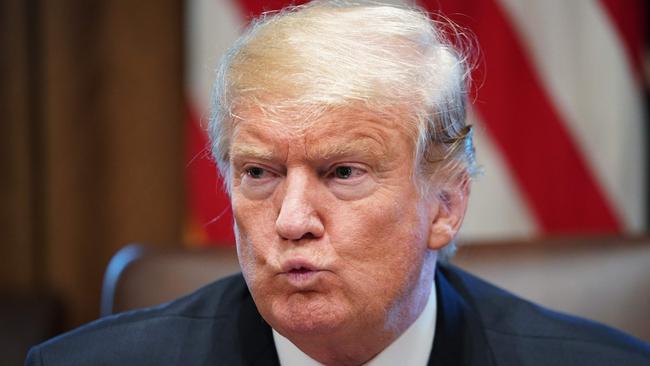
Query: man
{"type": "Point", "coordinates": [340, 131]}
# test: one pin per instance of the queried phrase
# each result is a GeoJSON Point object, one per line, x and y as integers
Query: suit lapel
{"type": "Point", "coordinates": [255, 336]}
{"type": "Point", "coordinates": [459, 338]}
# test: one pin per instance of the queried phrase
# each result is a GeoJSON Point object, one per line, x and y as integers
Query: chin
{"type": "Point", "coordinates": [307, 314]}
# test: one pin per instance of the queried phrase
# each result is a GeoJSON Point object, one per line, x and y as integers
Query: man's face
{"type": "Point", "coordinates": [331, 229]}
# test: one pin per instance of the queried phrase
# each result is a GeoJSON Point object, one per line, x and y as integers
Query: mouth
{"type": "Point", "coordinates": [299, 266]}
{"type": "Point", "coordinates": [300, 270]}
{"type": "Point", "coordinates": [300, 273]}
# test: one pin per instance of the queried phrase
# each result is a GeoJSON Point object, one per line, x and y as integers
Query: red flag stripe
{"type": "Point", "coordinates": [209, 206]}
{"type": "Point", "coordinates": [549, 168]}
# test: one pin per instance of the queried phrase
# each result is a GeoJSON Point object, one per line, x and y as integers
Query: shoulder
{"type": "Point", "coordinates": [518, 330]}
{"type": "Point", "coordinates": [152, 336]}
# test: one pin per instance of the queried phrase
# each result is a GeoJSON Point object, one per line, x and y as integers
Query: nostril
{"type": "Point", "coordinates": [308, 235]}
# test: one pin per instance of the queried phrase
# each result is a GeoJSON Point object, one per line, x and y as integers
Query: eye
{"type": "Point", "coordinates": [346, 173]}
{"type": "Point", "coordinates": [257, 181]}
{"type": "Point", "coordinates": [350, 181]}
{"type": "Point", "coordinates": [255, 172]}
{"type": "Point", "coordinates": [343, 172]}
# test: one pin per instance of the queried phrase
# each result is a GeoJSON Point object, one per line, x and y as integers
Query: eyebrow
{"type": "Point", "coordinates": [251, 151]}
{"type": "Point", "coordinates": [363, 146]}
{"type": "Point", "coordinates": [326, 150]}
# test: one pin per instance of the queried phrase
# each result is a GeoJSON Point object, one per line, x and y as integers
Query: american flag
{"type": "Point", "coordinates": [558, 103]}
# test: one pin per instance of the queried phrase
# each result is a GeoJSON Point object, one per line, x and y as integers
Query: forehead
{"type": "Point", "coordinates": [330, 132]}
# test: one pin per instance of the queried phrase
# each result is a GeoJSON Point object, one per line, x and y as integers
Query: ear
{"type": "Point", "coordinates": [448, 212]}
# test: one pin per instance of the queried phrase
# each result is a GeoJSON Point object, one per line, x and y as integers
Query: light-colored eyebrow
{"type": "Point", "coordinates": [240, 150]}
{"type": "Point", "coordinates": [319, 151]}
{"type": "Point", "coordinates": [362, 146]}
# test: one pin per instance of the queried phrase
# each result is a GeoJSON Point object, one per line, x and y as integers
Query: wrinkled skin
{"type": "Point", "coordinates": [334, 238]}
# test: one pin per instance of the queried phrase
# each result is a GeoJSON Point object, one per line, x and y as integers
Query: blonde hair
{"type": "Point", "coordinates": [392, 60]}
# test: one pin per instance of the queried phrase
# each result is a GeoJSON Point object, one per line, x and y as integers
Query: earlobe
{"type": "Point", "coordinates": [441, 234]}
{"type": "Point", "coordinates": [451, 207]}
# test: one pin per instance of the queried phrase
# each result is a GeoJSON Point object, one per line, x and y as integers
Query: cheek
{"type": "Point", "coordinates": [391, 220]}
{"type": "Point", "coordinates": [386, 244]}
{"type": "Point", "coordinates": [254, 231]}
{"type": "Point", "coordinates": [253, 217]}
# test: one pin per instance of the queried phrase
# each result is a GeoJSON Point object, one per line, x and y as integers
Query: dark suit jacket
{"type": "Point", "coordinates": [477, 324]}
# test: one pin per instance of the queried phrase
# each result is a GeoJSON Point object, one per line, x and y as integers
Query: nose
{"type": "Point", "coordinates": [298, 218]}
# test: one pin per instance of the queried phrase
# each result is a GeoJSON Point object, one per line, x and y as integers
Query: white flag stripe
{"type": "Point", "coordinates": [497, 209]}
{"type": "Point", "coordinates": [587, 73]}
{"type": "Point", "coordinates": [212, 26]}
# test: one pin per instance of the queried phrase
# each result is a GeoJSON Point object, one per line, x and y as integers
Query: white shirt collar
{"type": "Point", "coordinates": [413, 347]}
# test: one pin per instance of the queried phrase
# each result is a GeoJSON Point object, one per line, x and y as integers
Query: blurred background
{"type": "Point", "coordinates": [103, 106]}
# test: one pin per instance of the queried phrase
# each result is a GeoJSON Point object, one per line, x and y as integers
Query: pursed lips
{"type": "Point", "coordinates": [298, 264]}
{"type": "Point", "coordinates": [300, 272]}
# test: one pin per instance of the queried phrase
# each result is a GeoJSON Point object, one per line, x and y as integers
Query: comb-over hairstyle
{"type": "Point", "coordinates": [394, 61]}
